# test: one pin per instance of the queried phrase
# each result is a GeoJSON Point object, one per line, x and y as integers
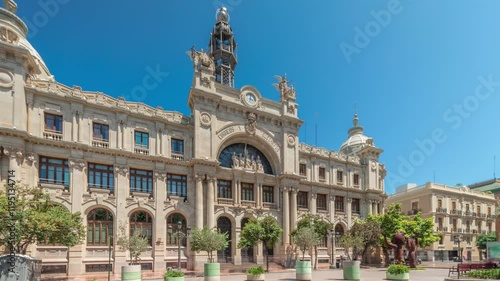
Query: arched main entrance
{"type": "Point", "coordinates": [246, 253]}
{"type": "Point", "coordinates": [224, 226]}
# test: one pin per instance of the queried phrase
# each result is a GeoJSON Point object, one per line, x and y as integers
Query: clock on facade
{"type": "Point", "coordinates": [250, 98]}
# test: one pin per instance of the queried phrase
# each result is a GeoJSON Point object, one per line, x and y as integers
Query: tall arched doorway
{"type": "Point", "coordinates": [224, 226]}
{"type": "Point", "coordinates": [246, 253]}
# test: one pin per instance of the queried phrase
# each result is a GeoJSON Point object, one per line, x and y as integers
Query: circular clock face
{"type": "Point", "coordinates": [250, 98]}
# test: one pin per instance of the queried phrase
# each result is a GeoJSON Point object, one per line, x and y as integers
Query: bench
{"type": "Point", "coordinates": [464, 267]}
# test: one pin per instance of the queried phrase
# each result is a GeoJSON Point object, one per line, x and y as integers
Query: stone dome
{"type": "Point", "coordinates": [356, 140]}
{"type": "Point", "coordinates": [13, 31]}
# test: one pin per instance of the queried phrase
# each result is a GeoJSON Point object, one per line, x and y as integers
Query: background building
{"type": "Point", "coordinates": [456, 211]}
{"type": "Point", "coordinates": [236, 157]}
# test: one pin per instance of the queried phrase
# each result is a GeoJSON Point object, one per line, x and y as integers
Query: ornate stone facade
{"type": "Point", "coordinates": [236, 156]}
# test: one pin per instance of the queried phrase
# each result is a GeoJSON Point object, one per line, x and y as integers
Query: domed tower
{"type": "Point", "coordinates": [223, 48]}
{"type": "Point", "coordinates": [356, 140]}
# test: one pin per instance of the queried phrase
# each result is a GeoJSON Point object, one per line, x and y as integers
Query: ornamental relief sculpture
{"type": "Point", "coordinates": [247, 162]}
{"type": "Point", "coordinates": [251, 123]}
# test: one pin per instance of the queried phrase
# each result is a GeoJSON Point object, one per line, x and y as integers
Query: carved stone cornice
{"type": "Point", "coordinates": [121, 170]}
{"type": "Point", "coordinates": [78, 164]}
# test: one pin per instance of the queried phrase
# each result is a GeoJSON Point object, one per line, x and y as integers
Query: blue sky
{"type": "Point", "coordinates": [421, 74]}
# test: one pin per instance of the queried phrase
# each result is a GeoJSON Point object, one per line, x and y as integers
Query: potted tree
{"type": "Point", "coordinates": [256, 274]}
{"type": "Point", "coordinates": [352, 245]}
{"type": "Point", "coordinates": [265, 230]}
{"type": "Point", "coordinates": [305, 238]}
{"type": "Point", "coordinates": [208, 240]}
{"type": "Point", "coordinates": [135, 245]}
{"type": "Point", "coordinates": [397, 272]}
{"type": "Point", "coordinates": [174, 275]}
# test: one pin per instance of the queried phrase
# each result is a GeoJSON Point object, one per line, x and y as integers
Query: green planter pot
{"type": "Point", "coordinates": [211, 271]}
{"type": "Point", "coordinates": [174, 278]}
{"type": "Point", "coordinates": [260, 277]}
{"type": "Point", "coordinates": [303, 270]}
{"type": "Point", "coordinates": [131, 273]}
{"type": "Point", "coordinates": [402, 276]}
{"type": "Point", "coordinates": [352, 270]}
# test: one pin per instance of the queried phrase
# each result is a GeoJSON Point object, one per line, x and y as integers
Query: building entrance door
{"type": "Point", "coordinates": [224, 226]}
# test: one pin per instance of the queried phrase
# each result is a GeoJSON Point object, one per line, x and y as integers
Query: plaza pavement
{"type": "Point", "coordinates": [369, 274]}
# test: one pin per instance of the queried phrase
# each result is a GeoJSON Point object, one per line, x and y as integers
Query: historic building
{"type": "Point", "coordinates": [458, 212]}
{"type": "Point", "coordinates": [236, 156]}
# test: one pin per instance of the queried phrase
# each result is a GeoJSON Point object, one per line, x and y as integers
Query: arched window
{"type": "Point", "coordinates": [339, 232]}
{"type": "Point", "coordinates": [143, 222]}
{"type": "Point", "coordinates": [99, 227]}
{"type": "Point", "coordinates": [244, 152]}
{"type": "Point", "coordinates": [173, 226]}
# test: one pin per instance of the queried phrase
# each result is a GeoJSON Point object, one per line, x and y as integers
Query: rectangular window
{"type": "Point", "coordinates": [355, 179]}
{"type": "Point", "coordinates": [440, 203]}
{"type": "Point", "coordinates": [141, 140]}
{"type": "Point", "coordinates": [247, 191]}
{"type": "Point", "coordinates": [54, 171]}
{"type": "Point", "coordinates": [467, 207]}
{"type": "Point", "coordinates": [101, 176]}
{"type": "Point", "coordinates": [302, 199]}
{"type": "Point", "coordinates": [339, 204]}
{"type": "Point", "coordinates": [340, 177]}
{"type": "Point", "coordinates": [302, 169]}
{"type": "Point", "coordinates": [454, 225]}
{"type": "Point", "coordinates": [414, 206]}
{"type": "Point", "coordinates": [440, 224]}
{"type": "Point", "coordinates": [141, 181]}
{"type": "Point", "coordinates": [321, 173]}
{"type": "Point", "coordinates": [101, 132]}
{"type": "Point", "coordinates": [478, 210]}
{"type": "Point", "coordinates": [177, 146]}
{"type": "Point", "coordinates": [268, 194]}
{"type": "Point", "coordinates": [176, 185]}
{"type": "Point", "coordinates": [489, 211]}
{"type": "Point", "coordinates": [454, 206]}
{"type": "Point", "coordinates": [321, 202]}
{"type": "Point", "coordinates": [224, 189]}
{"type": "Point", "coordinates": [355, 206]}
{"type": "Point", "coordinates": [53, 123]}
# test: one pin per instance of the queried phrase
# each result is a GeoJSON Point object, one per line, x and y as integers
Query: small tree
{"type": "Point", "coordinates": [305, 238]}
{"type": "Point", "coordinates": [136, 244]}
{"type": "Point", "coordinates": [208, 240]}
{"type": "Point", "coordinates": [266, 230]}
{"type": "Point", "coordinates": [482, 241]}
{"type": "Point", "coordinates": [369, 230]}
{"type": "Point", "coordinates": [36, 219]}
{"type": "Point", "coordinates": [320, 226]}
{"type": "Point", "coordinates": [351, 243]}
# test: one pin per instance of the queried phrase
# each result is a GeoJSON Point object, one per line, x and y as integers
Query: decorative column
{"type": "Point", "coordinates": [332, 208]}
{"type": "Point", "coordinates": [234, 189]}
{"type": "Point", "coordinates": [293, 208]}
{"type": "Point", "coordinates": [238, 192]}
{"type": "Point", "coordinates": [77, 187]}
{"type": "Point", "coordinates": [15, 162]}
{"type": "Point", "coordinates": [286, 215]}
{"type": "Point", "coordinates": [312, 205]}
{"type": "Point", "coordinates": [74, 127]}
{"type": "Point", "coordinates": [122, 191]}
{"type": "Point", "coordinates": [159, 226]}
{"type": "Point", "coordinates": [349, 212]}
{"type": "Point", "coordinates": [235, 250]}
{"type": "Point", "coordinates": [370, 207]}
{"type": "Point", "coordinates": [199, 200]}
{"type": "Point", "coordinates": [210, 201]}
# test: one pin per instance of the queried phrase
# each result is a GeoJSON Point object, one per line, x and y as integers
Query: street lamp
{"type": "Point", "coordinates": [332, 234]}
{"type": "Point", "coordinates": [458, 240]}
{"type": "Point", "coordinates": [178, 233]}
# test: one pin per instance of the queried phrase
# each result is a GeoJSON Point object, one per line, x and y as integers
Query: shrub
{"type": "Point", "coordinates": [398, 269]}
{"type": "Point", "coordinates": [485, 274]}
{"type": "Point", "coordinates": [257, 270]}
{"type": "Point", "coordinates": [174, 273]}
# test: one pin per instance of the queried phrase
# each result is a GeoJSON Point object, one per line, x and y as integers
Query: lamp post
{"type": "Point", "coordinates": [178, 233]}
{"type": "Point", "coordinates": [332, 234]}
{"type": "Point", "coordinates": [458, 240]}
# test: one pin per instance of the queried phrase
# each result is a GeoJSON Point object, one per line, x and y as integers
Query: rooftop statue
{"type": "Point", "coordinates": [286, 92]}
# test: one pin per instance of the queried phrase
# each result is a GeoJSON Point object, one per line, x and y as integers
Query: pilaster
{"type": "Point", "coordinates": [211, 181]}
{"type": "Point", "coordinates": [121, 180]}
{"type": "Point", "coordinates": [286, 216]}
{"type": "Point", "coordinates": [312, 205]}
{"type": "Point", "coordinates": [349, 212]}
{"type": "Point", "coordinates": [293, 208]}
{"type": "Point", "coordinates": [199, 200]}
{"type": "Point", "coordinates": [16, 156]}
{"type": "Point", "coordinates": [160, 226]}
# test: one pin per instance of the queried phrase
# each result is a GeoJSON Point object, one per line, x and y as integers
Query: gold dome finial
{"type": "Point", "coordinates": [355, 120]}
{"type": "Point", "coordinates": [10, 6]}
